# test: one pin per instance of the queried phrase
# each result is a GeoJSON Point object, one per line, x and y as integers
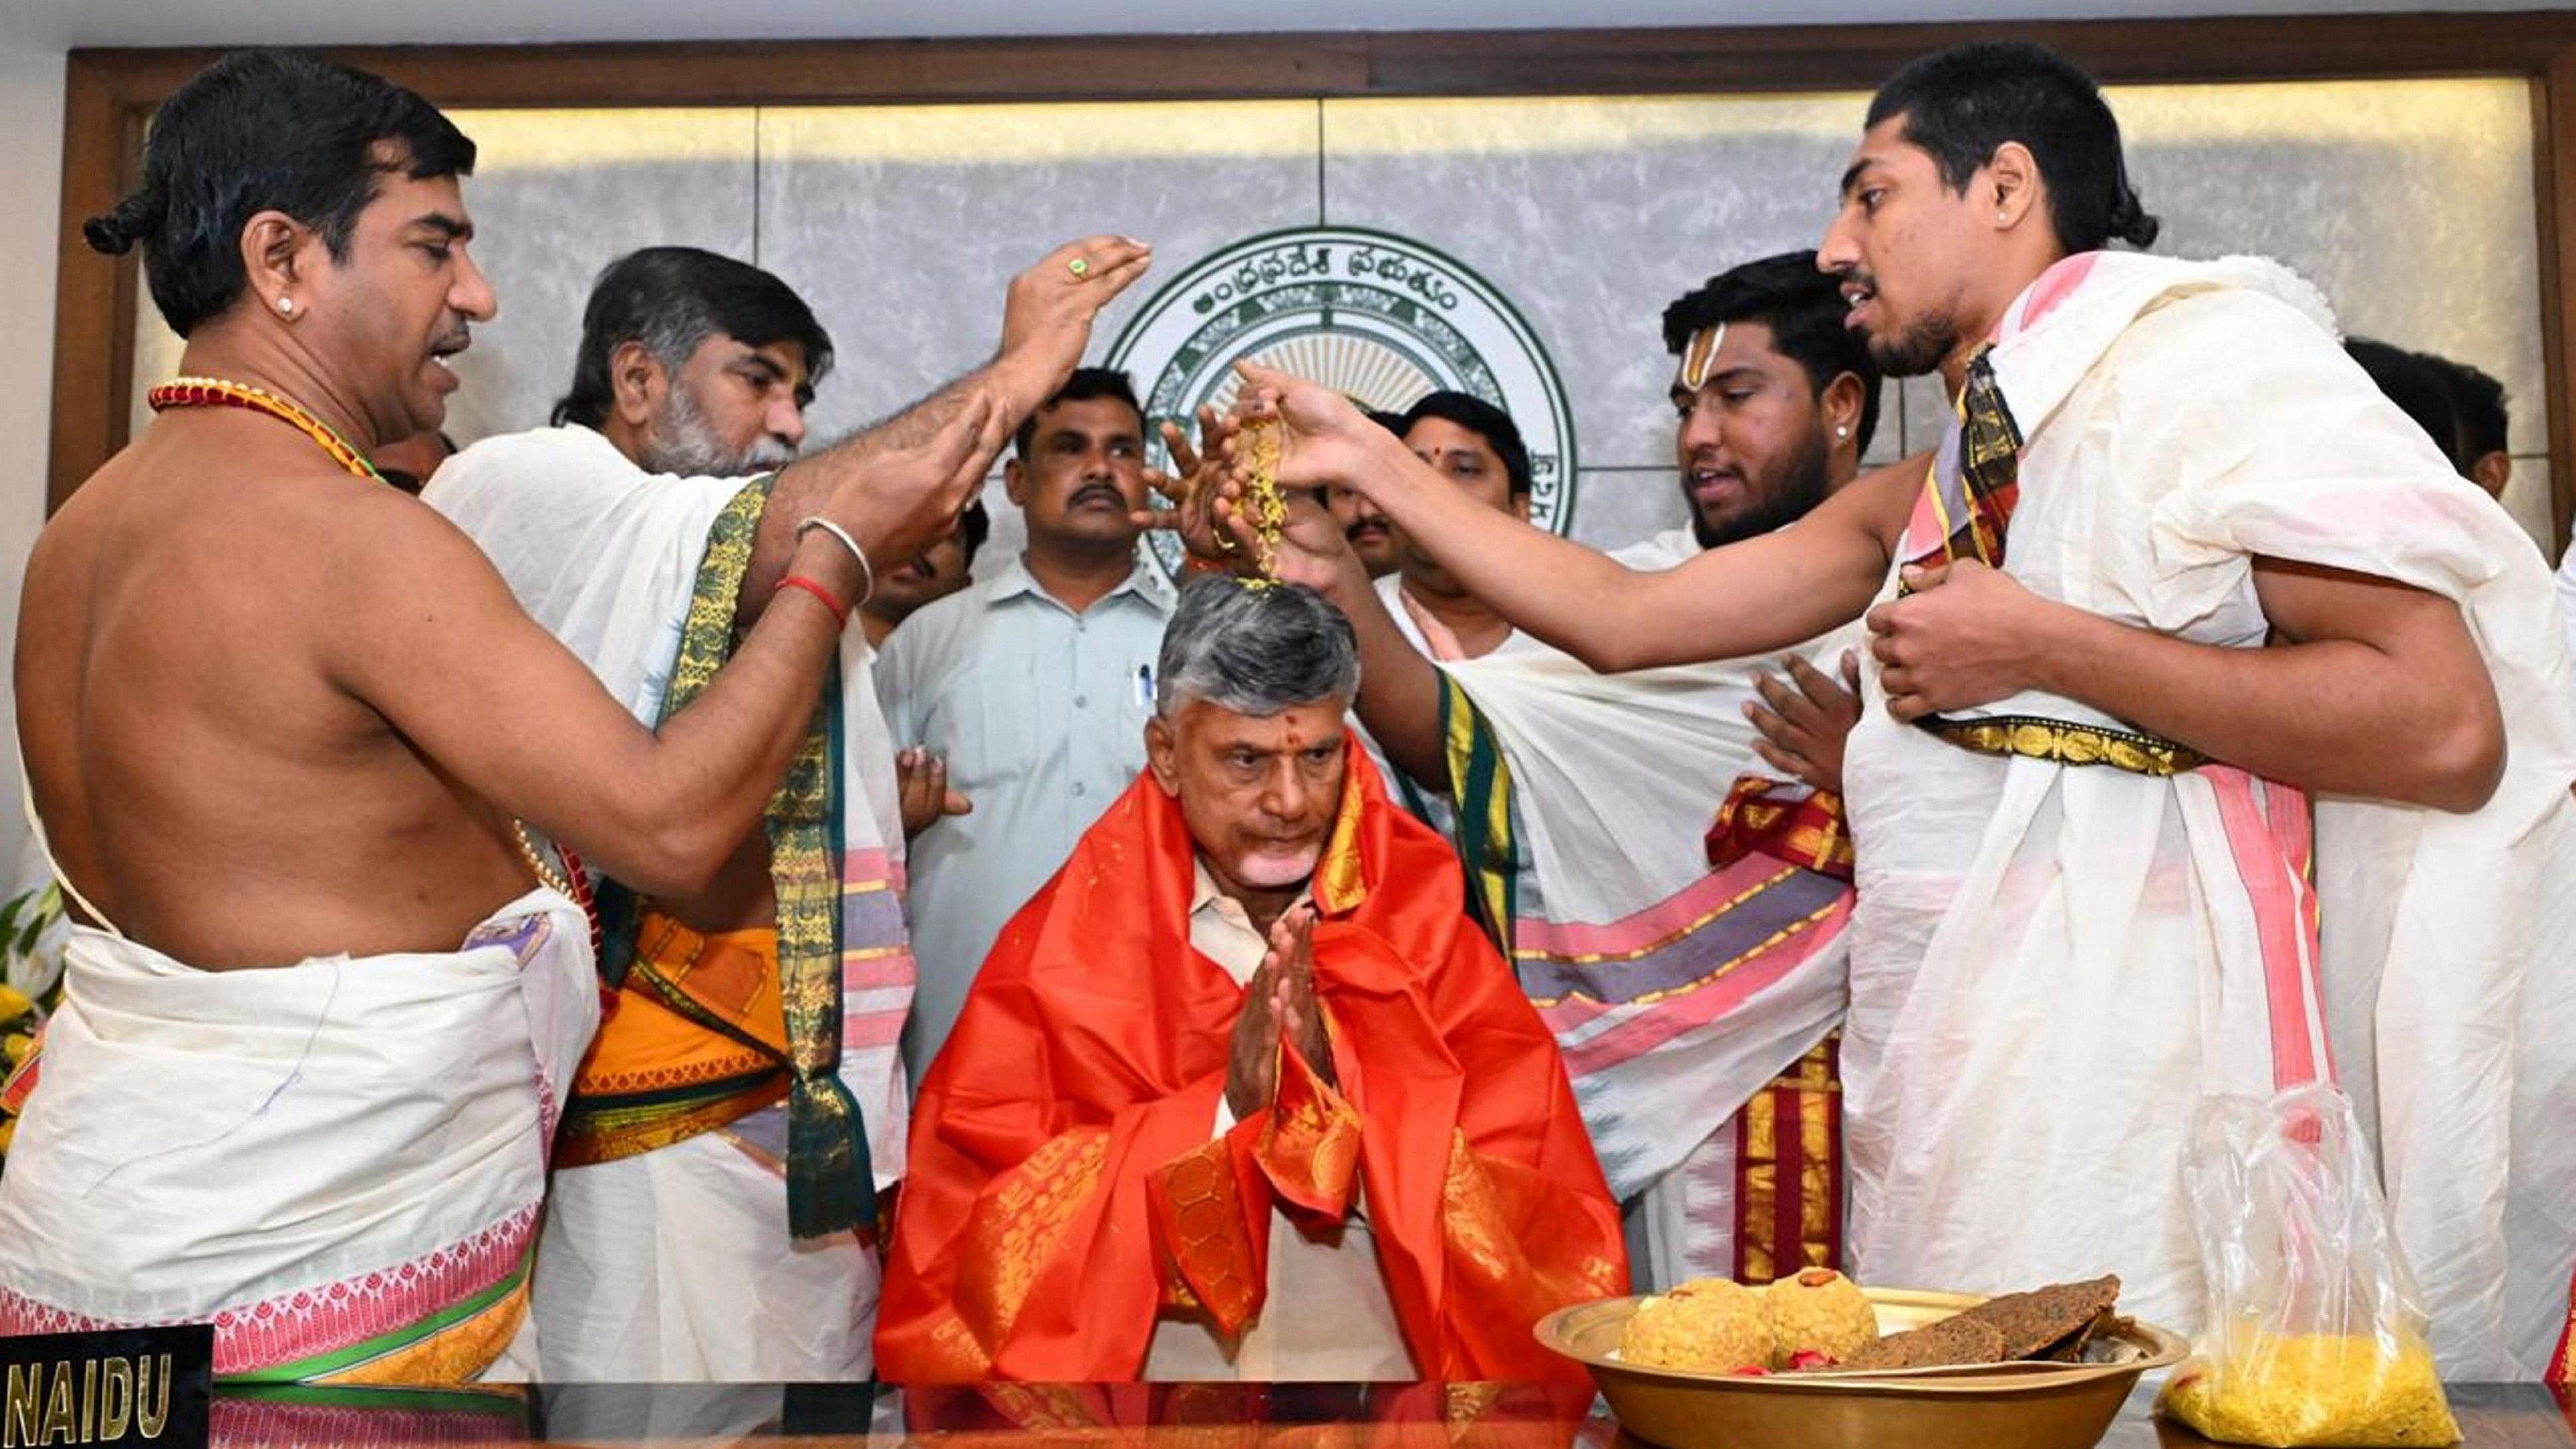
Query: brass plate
{"type": "Point", "coordinates": [1987, 1406]}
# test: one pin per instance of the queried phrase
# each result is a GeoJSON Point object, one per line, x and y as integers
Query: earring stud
{"type": "Point", "coordinates": [1842, 432]}
{"type": "Point", "coordinates": [286, 305]}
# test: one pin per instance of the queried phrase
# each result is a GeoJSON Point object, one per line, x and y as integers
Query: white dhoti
{"type": "Point", "coordinates": [2052, 965]}
{"type": "Point", "coordinates": [677, 1263]}
{"type": "Point", "coordinates": [645, 1261]}
{"type": "Point", "coordinates": [1678, 994]}
{"type": "Point", "coordinates": [338, 1163]}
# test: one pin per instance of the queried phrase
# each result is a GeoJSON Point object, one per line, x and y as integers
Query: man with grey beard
{"type": "Point", "coordinates": [695, 364]}
{"type": "Point", "coordinates": [749, 1063]}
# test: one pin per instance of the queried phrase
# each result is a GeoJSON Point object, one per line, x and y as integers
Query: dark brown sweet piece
{"type": "Point", "coordinates": [1955, 1340]}
{"type": "Point", "coordinates": [2073, 1347]}
{"type": "Point", "coordinates": [2043, 1321]}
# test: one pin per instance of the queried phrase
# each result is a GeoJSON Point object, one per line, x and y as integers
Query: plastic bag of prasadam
{"type": "Point", "coordinates": [2315, 1333]}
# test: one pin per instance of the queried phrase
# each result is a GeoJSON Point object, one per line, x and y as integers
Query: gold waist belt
{"type": "Point", "coordinates": [2068, 744]}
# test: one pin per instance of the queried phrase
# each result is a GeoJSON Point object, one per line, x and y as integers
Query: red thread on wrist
{"type": "Point", "coordinates": [840, 611]}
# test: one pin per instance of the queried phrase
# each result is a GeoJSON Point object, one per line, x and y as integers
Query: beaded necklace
{"type": "Point", "coordinates": [573, 883]}
{"type": "Point", "coordinates": [217, 392]}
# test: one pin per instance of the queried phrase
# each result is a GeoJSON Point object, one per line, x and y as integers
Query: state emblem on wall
{"type": "Point", "coordinates": [1379, 317]}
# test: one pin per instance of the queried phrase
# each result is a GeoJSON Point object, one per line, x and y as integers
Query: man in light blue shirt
{"type": "Point", "coordinates": [1034, 685]}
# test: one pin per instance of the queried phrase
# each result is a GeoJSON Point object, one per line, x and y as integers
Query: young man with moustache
{"type": "Point", "coordinates": [1588, 801]}
{"type": "Point", "coordinates": [1475, 445]}
{"type": "Point", "coordinates": [1030, 688]}
{"type": "Point", "coordinates": [750, 1061]}
{"type": "Point", "coordinates": [1370, 535]}
{"type": "Point", "coordinates": [295, 746]}
{"type": "Point", "coordinates": [2084, 794]}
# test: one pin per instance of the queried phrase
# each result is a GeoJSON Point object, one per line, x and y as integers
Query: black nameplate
{"type": "Point", "coordinates": [118, 1386]}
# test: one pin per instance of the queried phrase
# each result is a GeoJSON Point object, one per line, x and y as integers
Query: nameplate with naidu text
{"type": "Point", "coordinates": [116, 1386]}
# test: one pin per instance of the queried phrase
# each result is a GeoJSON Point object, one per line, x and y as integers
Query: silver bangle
{"type": "Point", "coordinates": [867, 571]}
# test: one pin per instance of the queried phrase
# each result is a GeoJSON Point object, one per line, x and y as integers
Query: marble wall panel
{"type": "Point", "coordinates": [559, 195]}
{"type": "Point", "coordinates": [1912, 413]}
{"type": "Point", "coordinates": [2409, 203]}
{"type": "Point", "coordinates": [1592, 215]}
{"type": "Point", "coordinates": [903, 224]}
{"type": "Point", "coordinates": [1615, 507]}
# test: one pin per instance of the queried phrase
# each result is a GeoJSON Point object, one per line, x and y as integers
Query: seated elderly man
{"type": "Point", "coordinates": [1240, 1093]}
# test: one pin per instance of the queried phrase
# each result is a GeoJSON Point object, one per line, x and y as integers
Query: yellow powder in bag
{"type": "Point", "coordinates": [2315, 1389]}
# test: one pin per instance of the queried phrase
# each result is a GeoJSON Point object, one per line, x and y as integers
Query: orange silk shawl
{"type": "Point", "coordinates": [1064, 1188]}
